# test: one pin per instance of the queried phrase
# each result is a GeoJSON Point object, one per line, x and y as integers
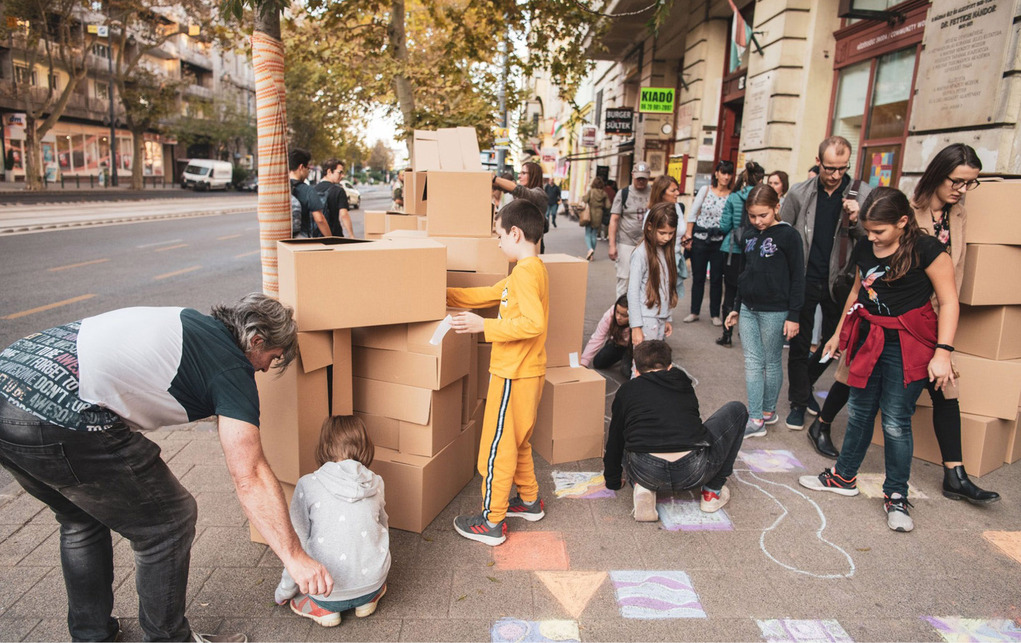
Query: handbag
{"type": "Point", "coordinates": [585, 216]}
{"type": "Point", "coordinates": [847, 270]}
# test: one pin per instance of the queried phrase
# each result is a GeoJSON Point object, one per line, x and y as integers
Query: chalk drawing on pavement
{"type": "Point", "coordinates": [513, 630]}
{"type": "Point", "coordinates": [955, 628]}
{"type": "Point", "coordinates": [871, 485]}
{"type": "Point", "coordinates": [685, 515]}
{"type": "Point", "coordinates": [656, 595]}
{"type": "Point", "coordinates": [1008, 542]}
{"type": "Point", "coordinates": [573, 590]}
{"type": "Point", "coordinates": [770, 460]}
{"type": "Point", "coordinates": [789, 629]}
{"type": "Point", "coordinates": [581, 484]}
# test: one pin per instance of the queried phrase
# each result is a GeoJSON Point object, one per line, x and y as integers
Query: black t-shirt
{"type": "Point", "coordinates": [828, 211]}
{"type": "Point", "coordinates": [334, 199]}
{"type": "Point", "coordinates": [893, 298]}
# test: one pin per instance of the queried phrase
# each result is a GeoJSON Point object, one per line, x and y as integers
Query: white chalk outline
{"type": "Point", "coordinates": [818, 533]}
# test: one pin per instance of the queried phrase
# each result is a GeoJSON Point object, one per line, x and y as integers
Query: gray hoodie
{"type": "Point", "coordinates": [339, 516]}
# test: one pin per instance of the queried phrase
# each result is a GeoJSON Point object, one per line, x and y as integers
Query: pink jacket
{"type": "Point", "coordinates": [598, 339]}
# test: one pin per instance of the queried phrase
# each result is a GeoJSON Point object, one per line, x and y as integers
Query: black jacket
{"type": "Point", "coordinates": [773, 279]}
{"type": "Point", "coordinates": [654, 413]}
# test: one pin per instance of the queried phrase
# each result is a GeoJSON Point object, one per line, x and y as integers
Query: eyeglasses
{"type": "Point", "coordinates": [829, 169]}
{"type": "Point", "coordinates": [957, 184]}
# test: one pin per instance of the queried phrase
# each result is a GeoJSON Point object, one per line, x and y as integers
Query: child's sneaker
{"type": "Point", "coordinates": [754, 428]}
{"type": "Point", "coordinates": [645, 504]}
{"type": "Point", "coordinates": [897, 516]}
{"type": "Point", "coordinates": [770, 417]}
{"type": "Point", "coordinates": [476, 528]}
{"type": "Point", "coordinates": [828, 480]}
{"type": "Point", "coordinates": [366, 610]}
{"type": "Point", "coordinates": [518, 508]}
{"type": "Point", "coordinates": [304, 606]}
{"type": "Point", "coordinates": [713, 502]}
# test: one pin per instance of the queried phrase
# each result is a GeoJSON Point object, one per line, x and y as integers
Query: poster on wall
{"type": "Point", "coordinates": [881, 169]}
{"type": "Point", "coordinates": [960, 64]}
{"type": "Point", "coordinates": [756, 111]}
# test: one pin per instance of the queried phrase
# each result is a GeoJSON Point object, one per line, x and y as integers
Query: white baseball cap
{"type": "Point", "coordinates": [641, 171]}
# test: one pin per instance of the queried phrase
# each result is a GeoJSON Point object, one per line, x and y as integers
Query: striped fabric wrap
{"type": "Point", "coordinates": [274, 185]}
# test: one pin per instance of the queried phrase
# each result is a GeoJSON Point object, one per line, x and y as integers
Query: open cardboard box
{"type": "Point", "coordinates": [984, 269]}
{"type": "Point", "coordinates": [347, 283]}
{"type": "Point", "coordinates": [993, 332]}
{"type": "Point", "coordinates": [402, 354]}
{"type": "Point", "coordinates": [987, 387]}
{"type": "Point", "coordinates": [570, 421]}
{"type": "Point", "coordinates": [428, 419]}
{"type": "Point", "coordinates": [992, 213]}
{"type": "Point", "coordinates": [375, 222]}
{"type": "Point", "coordinates": [449, 148]}
{"type": "Point", "coordinates": [568, 281]}
{"type": "Point", "coordinates": [417, 487]}
{"type": "Point", "coordinates": [253, 533]}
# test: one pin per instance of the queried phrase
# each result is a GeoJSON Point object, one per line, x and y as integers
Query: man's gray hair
{"type": "Point", "coordinates": [258, 315]}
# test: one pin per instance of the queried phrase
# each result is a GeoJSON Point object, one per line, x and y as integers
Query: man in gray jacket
{"type": "Point", "coordinates": [824, 210]}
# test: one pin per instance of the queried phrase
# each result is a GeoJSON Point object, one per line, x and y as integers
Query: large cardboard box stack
{"type": "Point", "coordinates": [988, 339]}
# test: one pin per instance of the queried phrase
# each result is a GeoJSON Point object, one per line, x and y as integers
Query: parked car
{"type": "Point", "coordinates": [354, 197]}
{"type": "Point", "coordinates": [251, 184]}
{"type": "Point", "coordinates": [207, 174]}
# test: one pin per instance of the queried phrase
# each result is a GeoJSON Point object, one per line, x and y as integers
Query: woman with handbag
{"type": "Point", "coordinates": [938, 210]}
{"type": "Point", "coordinates": [596, 204]}
{"type": "Point", "coordinates": [703, 239]}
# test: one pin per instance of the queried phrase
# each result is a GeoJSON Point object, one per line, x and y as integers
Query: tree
{"type": "Point", "coordinates": [148, 98]}
{"type": "Point", "coordinates": [381, 157]}
{"type": "Point", "coordinates": [221, 125]}
{"type": "Point", "coordinates": [49, 35]}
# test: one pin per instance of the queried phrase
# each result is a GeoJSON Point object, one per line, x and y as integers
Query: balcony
{"type": "Point", "coordinates": [191, 53]}
{"type": "Point", "coordinates": [198, 91]}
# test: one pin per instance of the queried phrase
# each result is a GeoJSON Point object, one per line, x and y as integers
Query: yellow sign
{"type": "Point", "coordinates": [193, 30]}
{"type": "Point", "coordinates": [676, 170]}
{"type": "Point", "coordinates": [502, 137]}
{"type": "Point", "coordinates": [91, 28]}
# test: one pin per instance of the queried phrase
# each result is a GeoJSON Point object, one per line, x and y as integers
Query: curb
{"type": "Point", "coordinates": [43, 226]}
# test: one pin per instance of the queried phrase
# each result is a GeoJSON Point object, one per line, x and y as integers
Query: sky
{"type": "Point", "coordinates": [382, 127]}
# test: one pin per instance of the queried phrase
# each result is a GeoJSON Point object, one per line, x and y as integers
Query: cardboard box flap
{"type": "Point", "coordinates": [567, 375]}
{"type": "Point", "coordinates": [450, 149]}
{"type": "Point", "coordinates": [316, 349]}
{"type": "Point", "coordinates": [321, 243]}
{"type": "Point", "coordinates": [389, 455]}
{"type": "Point", "coordinates": [470, 155]}
{"type": "Point", "coordinates": [427, 152]}
{"type": "Point", "coordinates": [408, 403]}
{"type": "Point", "coordinates": [561, 258]}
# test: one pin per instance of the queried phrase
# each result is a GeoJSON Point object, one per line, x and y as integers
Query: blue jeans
{"type": "Point", "coordinates": [709, 465]}
{"type": "Point", "coordinates": [762, 342]}
{"type": "Point", "coordinates": [96, 482]}
{"type": "Point", "coordinates": [885, 390]}
{"type": "Point", "coordinates": [350, 604]}
{"type": "Point", "coordinates": [551, 213]}
{"type": "Point", "coordinates": [591, 237]}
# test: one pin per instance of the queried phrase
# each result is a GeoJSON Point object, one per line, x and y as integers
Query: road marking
{"type": "Point", "coordinates": [175, 273]}
{"type": "Point", "coordinates": [56, 304]}
{"type": "Point", "coordinates": [180, 245]}
{"type": "Point", "coordinates": [78, 265]}
{"type": "Point", "coordinates": [159, 243]}
{"type": "Point", "coordinates": [228, 236]}
{"type": "Point", "coordinates": [247, 254]}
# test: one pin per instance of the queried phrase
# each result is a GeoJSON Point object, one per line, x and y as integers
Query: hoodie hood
{"type": "Point", "coordinates": [348, 480]}
{"type": "Point", "coordinates": [673, 379]}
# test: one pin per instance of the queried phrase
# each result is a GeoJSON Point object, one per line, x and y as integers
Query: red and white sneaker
{"type": "Point", "coordinates": [366, 610]}
{"type": "Point", "coordinates": [303, 605]}
{"type": "Point", "coordinates": [712, 501]}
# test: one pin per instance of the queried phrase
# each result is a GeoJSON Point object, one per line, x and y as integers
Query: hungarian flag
{"type": "Point", "coordinates": [740, 36]}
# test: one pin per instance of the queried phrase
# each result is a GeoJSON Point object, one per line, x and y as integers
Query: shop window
{"type": "Point", "coordinates": [849, 114]}
{"type": "Point", "coordinates": [889, 114]}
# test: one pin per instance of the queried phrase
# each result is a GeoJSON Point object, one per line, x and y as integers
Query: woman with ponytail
{"type": "Point", "coordinates": [893, 343]}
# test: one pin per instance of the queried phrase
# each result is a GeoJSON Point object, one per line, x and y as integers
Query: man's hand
{"type": "Point", "coordinates": [851, 207]}
{"type": "Point", "coordinates": [467, 323]}
{"type": "Point", "coordinates": [613, 251]}
{"type": "Point", "coordinates": [311, 576]}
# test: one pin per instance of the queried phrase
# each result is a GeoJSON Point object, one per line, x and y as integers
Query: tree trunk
{"type": "Point", "coordinates": [138, 158]}
{"type": "Point", "coordinates": [402, 85]}
{"type": "Point", "coordinates": [271, 121]}
{"type": "Point", "coordinates": [33, 156]}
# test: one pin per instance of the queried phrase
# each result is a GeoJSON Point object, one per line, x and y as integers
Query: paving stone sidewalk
{"type": "Point", "coordinates": [778, 563]}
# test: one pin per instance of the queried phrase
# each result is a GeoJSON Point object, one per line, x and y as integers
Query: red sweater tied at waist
{"type": "Point", "coordinates": [916, 330]}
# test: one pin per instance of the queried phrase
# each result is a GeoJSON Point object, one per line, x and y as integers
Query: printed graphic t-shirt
{"type": "Point", "coordinates": [893, 298]}
{"type": "Point", "coordinates": [149, 367]}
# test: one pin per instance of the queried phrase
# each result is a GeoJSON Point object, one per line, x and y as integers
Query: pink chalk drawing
{"type": "Point", "coordinates": [656, 595]}
{"type": "Point", "coordinates": [954, 628]}
{"type": "Point", "coordinates": [685, 515]}
{"type": "Point", "coordinates": [513, 630]}
{"type": "Point", "coordinates": [770, 460]}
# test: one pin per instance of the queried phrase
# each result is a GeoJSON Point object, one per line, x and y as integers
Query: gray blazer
{"type": "Point", "coordinates": [798, 209]}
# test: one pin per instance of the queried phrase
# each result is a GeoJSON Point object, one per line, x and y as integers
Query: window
{"type": "Point", "coordinates": [25, 76]}
{"type": "Point", "coordinates": [101, 50]}
{"type": "Point", "coordinates": [102, 89]}
{"type": "Point", "coordinates": [849, 113]}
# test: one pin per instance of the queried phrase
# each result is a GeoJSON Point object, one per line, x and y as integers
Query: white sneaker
{"type": "Point", "coordinates": [711, 502]}
{"type": "Point", "coordinates": [717, 321]}
{"type": "Point", "coordinates": [897, 516]}
{"type": "Point", "coordinates": [645, 504]}
{"type": "Point", "coordinates": [692, 317]}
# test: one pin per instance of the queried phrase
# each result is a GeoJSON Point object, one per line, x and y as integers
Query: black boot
{"type": "Point", "coordinates": [724, 340]}
{"type": "Point", "coordinates": [819, 436]}
{"type": "Point", "coordinates": [957, 486]}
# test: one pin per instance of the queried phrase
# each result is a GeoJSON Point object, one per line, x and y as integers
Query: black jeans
{"type": "Point", "coordinates": [706, 254]}
{"type": "Point", "coordinates": [803, 370]}
{"type": "Point", "coordinates": [610, 354]}
{"type": "Point", "coordinates": [733, 264]}
{"type": "Point", "coordinates": [96, 482]}
{"type": "Point", "coordinates": [709, 466]}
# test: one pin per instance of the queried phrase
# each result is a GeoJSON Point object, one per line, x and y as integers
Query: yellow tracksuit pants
{"type": "Point", "coordinates": [505, 453]}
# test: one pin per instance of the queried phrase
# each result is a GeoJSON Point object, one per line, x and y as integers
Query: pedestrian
{"type": "Point", "coordinates": [334, 199]}
{"type": "Point", "coordinates": [734, 224]}
{"type": "Point", "coordinates": [598, 205]}
{"type": "Point", "coordinates": [339, 515]}
{"type": "Point", "coordinates": [68, 398]}
{"type": "Point", "coordinates": [704, 238]}
{"type": "Point", "coordinates": [665, 190]}
{"type": "Point", "coordinates": [308, 219]}
{"type": "Point", "coordinates": [770, 294]}
{"type": "Point", "coordinates": [657, 438]}
{"type": "Point", "coordinates": [611, 342]}
{"type": "Point", "coordinates": [626, 216]}
{"type": "Point", "coordinates": [825, 211]}
{"type": "Point", "coordinates": [780, 182]}
{"type": "Point", "coordinates": [552, 201]}
{"type": "Point", "coordinates": [528, 187]}
{"type": "Point", "coordinates": [939, 211]}
{"type": "Point", "coordinates": [398, 193]}
{"type": "Point", "coordinates": [652, 284]}
{"type": "Point", "coordinates": [610, 188]}
{"type": "Point", "coordinates": [892, 342]}
{"type": "Point", "coordinates": [517, 371]}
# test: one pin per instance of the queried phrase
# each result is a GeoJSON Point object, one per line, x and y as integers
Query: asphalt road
{"type": "Point", "coordinates": [58, 276]}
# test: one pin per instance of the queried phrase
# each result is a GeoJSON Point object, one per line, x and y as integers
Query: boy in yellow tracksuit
{"type": "Point", "coordinates": [517, 373]}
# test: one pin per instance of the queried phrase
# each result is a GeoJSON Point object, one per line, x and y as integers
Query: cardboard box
{"type": "Point", "coordinates": [987, 387]}
{"type": "Point", "coordinates": [485, 354]}
{"type": "Point", "coordinates": [983, 440]}
{"type": "Point", "coordinates": [253, 533]}
{"type": "Point", "coordinates": [1014, 442]}
{"type": "Point", "coordinates": [984, 269]}
{"type": "Point", "coordinates": [992, 213]}
{"type": "Point", "coordinates": [453, 148]}
{"type": "Point", "coordinates": [414, 192]}
{"type": "Point", "coordinates": [456, 279]}
{"type": "Point", "coordinates": [340, 374]}
{"type": "Point", "coordinates": [568, 281]}
{"type": "Point", "coordinates": [459, 204]}
{"type": "Point", "coordinates": [990, 331]}
{"type": "Point", "coordinates": [570, 421]}
{"type": "Point", "coordinates": [402, 354]}
{"type": "Point", "coordinates": [401, 221]}
{"type": "Point", "coordinates": [346, 283]}
{"type": "Point", "coordinates": [475, 254]}
{"type": "Point", "coordinates": [429, 419]}
{"type": "Point", "coordinates": [383, 431]}
{"type": "Point", "coordinates": [418, 488]}
{"type": "Point", "coordinates": [375, 223]}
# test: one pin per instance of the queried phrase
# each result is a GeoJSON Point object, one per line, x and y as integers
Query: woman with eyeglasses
{"type": "Point", "coordinates": [940, 213]}
{"type": "Point", "coordinates": [529, 188]}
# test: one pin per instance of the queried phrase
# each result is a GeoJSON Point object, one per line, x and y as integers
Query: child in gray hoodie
{"type": "Point", "coordinates": [339, 516]}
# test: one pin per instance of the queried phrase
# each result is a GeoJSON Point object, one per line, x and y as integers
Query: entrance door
{"type": "Point", "coordinates": [730, 132]}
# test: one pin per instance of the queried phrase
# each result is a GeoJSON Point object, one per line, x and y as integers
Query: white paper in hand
{"type": "Point", "coordinates": [440, 331]}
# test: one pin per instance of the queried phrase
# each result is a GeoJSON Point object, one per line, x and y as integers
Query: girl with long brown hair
{"type": "Point", "coordinates": [652, 286]}
{"type": "Point", "coordinates": [893, 343]}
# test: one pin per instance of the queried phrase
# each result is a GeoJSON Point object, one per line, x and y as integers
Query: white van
{"type": "Point", "coordinates": [207, 174]}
